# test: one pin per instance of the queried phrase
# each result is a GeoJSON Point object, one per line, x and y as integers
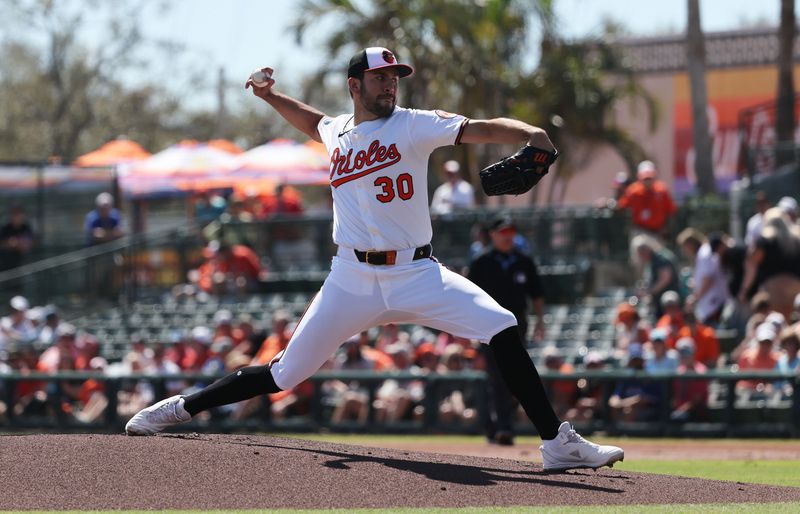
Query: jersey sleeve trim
{"type": "Point", "coordinates": [461, 131]}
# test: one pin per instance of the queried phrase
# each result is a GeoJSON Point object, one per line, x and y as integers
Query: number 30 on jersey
{"type": "Point", "coordinates": [402, 186]}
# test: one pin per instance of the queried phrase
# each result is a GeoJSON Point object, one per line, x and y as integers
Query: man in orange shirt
{"type": "Point", "coordinates": [276, 342]}
{"type": "Point", "coordinates": [649, 200]}
{"type": "Point", "coordinates": [672, 321]}
{"type": "Point", "coordinates": [229, 269]}
{"type": "Point", "coordinates": [705, 339]}
{"type": "Point", "coordinates": [761, 357]}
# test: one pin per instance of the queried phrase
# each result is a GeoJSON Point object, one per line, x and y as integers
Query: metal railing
{"type": "Point", "coordinates": [730, 415]}
{"type": "Point", "coordinates": [114, 271]}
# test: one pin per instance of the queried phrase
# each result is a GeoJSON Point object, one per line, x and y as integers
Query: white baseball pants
{"type": "Point", "coordinates": [357, 296]}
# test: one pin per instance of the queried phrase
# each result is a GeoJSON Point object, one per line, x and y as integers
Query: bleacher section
{"type": "Point", "coordinates": [569, 327]}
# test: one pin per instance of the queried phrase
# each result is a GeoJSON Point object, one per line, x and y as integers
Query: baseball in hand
{"type": "Point", "coordinates": [260, 77]}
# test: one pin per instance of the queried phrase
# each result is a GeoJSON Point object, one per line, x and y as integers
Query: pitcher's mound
{"type": "Point", "coordinates": [85, 472]}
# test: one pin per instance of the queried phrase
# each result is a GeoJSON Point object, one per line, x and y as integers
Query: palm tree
{"type": "Point", "coordinates": [696, 58]}
{"type": "Point", "coordinates": [785, 117]}
{"type": "Point", "coordinates": [573, 95]}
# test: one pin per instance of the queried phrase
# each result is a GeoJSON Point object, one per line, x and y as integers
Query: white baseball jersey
{"type": "Point", "coordinates": [379, 176]}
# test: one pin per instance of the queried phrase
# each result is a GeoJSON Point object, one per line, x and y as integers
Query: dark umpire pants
{"type": "Point", "coordinates": [501, 403]}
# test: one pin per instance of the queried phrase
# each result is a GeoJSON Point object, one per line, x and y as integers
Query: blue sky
{"type": "Point", "coordinates": [240, 35]}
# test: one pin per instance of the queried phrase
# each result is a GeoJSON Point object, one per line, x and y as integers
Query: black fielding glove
{"type": "Point", "coordinates": [517, 173]}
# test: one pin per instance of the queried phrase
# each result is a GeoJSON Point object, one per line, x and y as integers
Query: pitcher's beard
{"type": "Point", "coordinates": [380, 109]}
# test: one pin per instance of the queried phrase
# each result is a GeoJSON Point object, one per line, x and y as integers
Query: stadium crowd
{"type": "Point", "coordinates": [669, 324]}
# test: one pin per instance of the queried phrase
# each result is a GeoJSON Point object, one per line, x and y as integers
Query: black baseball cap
{"type": "Point", "coordinates": [373, 58]}
{"type": "Point", "coordinates": [501, 223]}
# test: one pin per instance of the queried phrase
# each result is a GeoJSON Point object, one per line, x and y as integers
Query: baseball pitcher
{"type": "Point", "coordinates": [384, 270]}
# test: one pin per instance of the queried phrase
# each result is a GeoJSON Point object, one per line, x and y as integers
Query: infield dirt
{"type": "Point", "coordinates": [237, 472]}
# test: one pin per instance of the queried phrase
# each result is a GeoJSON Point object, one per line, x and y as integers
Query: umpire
{"type": "Point", "coordinates": [510, 277]}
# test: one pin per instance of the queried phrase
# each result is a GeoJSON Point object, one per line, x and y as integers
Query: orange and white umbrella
{"type": "Point", "coordinates": [284, 161]}
{"type": "Point", "coordinates": [185, 166]}
{"type": "Point", "coordinates": [115, 152]}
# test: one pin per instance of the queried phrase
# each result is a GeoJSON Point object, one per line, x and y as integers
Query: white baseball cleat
{"type": "Point", "coordinates": [158, 416]}
{"type": "Point", "coordinates": [571, 451]}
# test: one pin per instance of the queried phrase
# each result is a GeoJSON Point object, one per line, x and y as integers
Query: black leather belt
{"type": "Point", "coordinates": [390, 257]}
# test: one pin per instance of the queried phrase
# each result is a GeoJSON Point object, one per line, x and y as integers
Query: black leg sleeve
{"type": "Point", "coordinates": [524, 382]}
{"type": "Point", "coordinates": [240, 385]}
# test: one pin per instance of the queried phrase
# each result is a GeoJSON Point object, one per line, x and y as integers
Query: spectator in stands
{"type": "Point", "coordinates": [672, 320]}
{"type": "Point", "coordinates": [138, 350]}
{"type": "Point", "coordinates": [217, 356]}
{"type": "Point", "coordinates": [629, 329]}
{"type": "Point", "coordinates": [455, 194]}
{"type": "Point", "coordinates": [276, 342]}
{"type": "Point", "coordinates": [590, 391]}
{"type": "Point", "coordinates": [426, 360]}
{"type": "Point", "coordinates": [709, 286]}
{"type": "Point", "coordinates": [731, 258]}
{"type": "Point", "coordinates": [134, 394]}
{"type": "Point", "coordinates": [789, 207]}
{"type": "Point", "coordinates": [756, 221]}
{"type": "Point", "coordinates": [511, 278]}
{"type": "Point", "coordinates": [208, 206]}
{"type": "Point", "coordinates": [229, 270]}
{"type": "Point", "coordinates": [104, 222]}
{"type": "Point", "coordinates": [16, 329]}
{"type": "Point", "coordinates": [789, 360]}
{"type": "Point", "coordinates": [16, 239]}
{"type": "Point", "coordinates": [286, 201]}
{"type": "Point", "coordinates": [388, 334]}
{"type": "Point", "coordinates": [395, 399]}
{"type": "Point", "coordinates": [61, 351]}
{"type": "Point", "coordinates": [176, 349]}
{"type": "Point", "coordinates": [659, 272]}
{"type": "Point", "coordinates": [455, 407]}
{"type": "Point", "coordinates": [351, 398]}
{"type": "Point", "coordinates": [233, 227]}
{"type": "Point", "coordinates": [635, 399]}
{"type": "Point", "coordinates": [246, 336]}
{"type": "Point", "coordinates": [196, 352]}
{"type": "Point", "coordinates": [381, 361]}
{"type": "Point", "coordinates": [30, 396]}
{"type": "Point", "coordinates": [290, 247]}
{"type": "Point", "coordinates": [773, 264]}
{"type": "Point", "coordinates": [704, 338]}
{"type": "Point", "coordinates": [660, 358]}
{"type": "Point", "coordinates": [161, 366]}
{"type": "Point", "coordinates": [223, 321]}
{"type": "Point", "coordinates": [760, 357]}
{"type": "Point", "coordinates": [47, 332]}
{"type": "Point", "coordinates": [649, 201]}
{"type": "Point", "coordinates": [562, 393]}
{"type": "Point", "coordinates": [689, 397]}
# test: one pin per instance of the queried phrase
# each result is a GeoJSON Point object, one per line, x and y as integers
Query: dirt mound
{"type": "Point", "coordinates": [234, 471]}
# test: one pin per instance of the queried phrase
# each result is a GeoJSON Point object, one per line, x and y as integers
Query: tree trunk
{"type": "Point", "coordinates": [696, 57]}
{"type": "Point", "coordinates": [785, 117]}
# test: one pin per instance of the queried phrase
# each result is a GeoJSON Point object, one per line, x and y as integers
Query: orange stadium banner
{"type": "Point", "coordinates": [731, 93]}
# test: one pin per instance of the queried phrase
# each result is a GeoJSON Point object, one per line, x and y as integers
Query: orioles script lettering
{"type": "Point", "coordinates": [345, 168]}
